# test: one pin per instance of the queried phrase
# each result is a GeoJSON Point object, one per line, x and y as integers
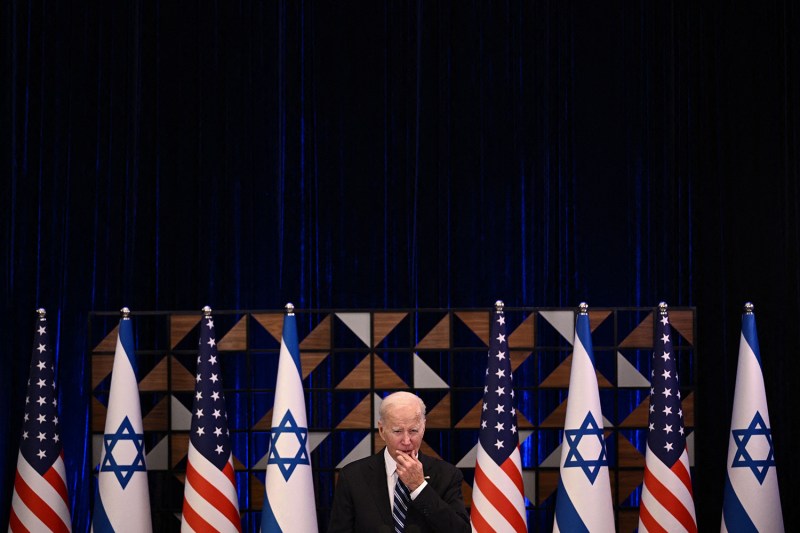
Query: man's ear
{"type": "Point", "coordinates": [380, 431]}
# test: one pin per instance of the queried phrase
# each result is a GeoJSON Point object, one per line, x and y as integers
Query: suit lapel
{"type": "Point", "coordinates": [378, 488]}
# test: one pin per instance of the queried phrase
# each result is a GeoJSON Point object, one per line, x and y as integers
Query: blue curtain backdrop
{"type": "Point", "coordinates": [166, 155]}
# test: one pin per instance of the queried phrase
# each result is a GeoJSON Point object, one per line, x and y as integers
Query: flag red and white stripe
{"type": "Point", "coordinates": [209, 496]}
{"type": "Point", "coordinates": [40, 501]}
{"type": "Point", "coordinates": [667, 501]}
{"type": "Point", "coordinates": [498, 494]}
{"type": "Point", "coordinates": [40, 498]}
{"type": "Point", "coordinates": [210, 502]}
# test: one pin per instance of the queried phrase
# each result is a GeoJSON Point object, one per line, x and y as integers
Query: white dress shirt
{"type": "Point", "coordinates": [391, 478]}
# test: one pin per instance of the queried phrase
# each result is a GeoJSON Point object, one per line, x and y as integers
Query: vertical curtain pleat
{"type": "Point", "coordinates": [394, 154]}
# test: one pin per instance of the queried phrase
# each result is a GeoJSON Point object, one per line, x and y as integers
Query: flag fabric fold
{"type": "Point", "coordinates": [289, 504]}
{"type": "Point", "coordinates": [210, 502]}
{"type": "Point", "coordinates": [498, 501]}
{"type": "Point", "coordinates": [122, 500]}
{"type": "Point", "coordinates": [583, 500]}
{"type": "Point", "coordinates": [751, 500]}
{"type": "Point", "coordinates": [667, 499]}
{"type": "Point", "coordinates": [40, 500]}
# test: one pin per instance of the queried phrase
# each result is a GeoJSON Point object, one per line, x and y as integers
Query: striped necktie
{"type": "Point", "coordinates": [401, 499]}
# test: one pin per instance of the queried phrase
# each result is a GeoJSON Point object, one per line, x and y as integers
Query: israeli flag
{"type": "Point", "coordinates": [752, 501]}
{"type": "Point", "coordinates": [289, 503]}
{"type": "Point", "coordinates": [583, 501]}
{"type": "Point", "coordinates": [122, 500]}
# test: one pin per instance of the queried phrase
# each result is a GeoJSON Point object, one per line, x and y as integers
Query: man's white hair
{"type": "Point", "coordinates": [400, 397]}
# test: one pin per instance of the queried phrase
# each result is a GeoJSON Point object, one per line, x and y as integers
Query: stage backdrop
{"type": "Point", "coordinates": [351, 358]}
{"type": "Point", "coordinates": [402, 155]}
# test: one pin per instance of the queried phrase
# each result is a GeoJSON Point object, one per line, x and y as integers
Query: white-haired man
{"type": "Point", "coordinates": [365, 493]}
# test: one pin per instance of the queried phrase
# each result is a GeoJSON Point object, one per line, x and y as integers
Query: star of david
{"type": "Point", "coordinates": [124, 472]}
{"type": "Point", "coordinates": [591, 467]}
{"type": "Point", "coordinates": [742, 459]}
{"type": "Point", "coordinates": [288, 427]}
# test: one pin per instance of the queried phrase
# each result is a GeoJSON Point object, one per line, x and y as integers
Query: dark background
{"type": "Point", "coordinates": [168, 155]}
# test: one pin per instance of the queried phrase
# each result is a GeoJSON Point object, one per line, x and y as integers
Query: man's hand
{"type": "Point", "coordinates": [409, 470]}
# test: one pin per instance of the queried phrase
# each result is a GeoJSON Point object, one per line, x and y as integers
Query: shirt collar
{"type": "Point", "coordinates": [391, 464]}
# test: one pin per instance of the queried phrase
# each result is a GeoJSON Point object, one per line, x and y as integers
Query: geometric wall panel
{"type": "Point", "coordinates": [350, 360]}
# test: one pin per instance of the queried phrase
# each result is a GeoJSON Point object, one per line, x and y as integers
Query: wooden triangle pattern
{"type": "Point", "coordinates": [628, 481]}
{"type": "Point", "coordinates": [272, 322]}
{"type": "Point", "coordinates": [320, 336]}
{"type": "Point", "coordinates": [687, 405]}
{"type": "Point", "coordinates": [477, 322]}
{"type": "Point", "coordinates": [473, 418]}
{"type": "Point", "coordinates": [257, 491]}
{"type": "Point", "coordinates": [182, 378]}
{"type": "Point", "coordinates": [427, 450]}
{"type": "Point", "coordinates": [683, 323]}
{"type": "Point", "coordinates": [596, 318]}
{"type": "Point", "coordinates": [559, 378]}
{"type": "Point", "coordinates": [156, 379]}
{"type": "Point", "coordinates": [265, 423]}
{"type": "Point", "coordinates": [638, 417]}
{"type": "Point", "coordinates": [180, 326]}
{"type": "Point", "coordinates": [359, 377]}
{"type": "Point", "coordinates": [466, 493]}
{"type": "Point", "coordinates": [358, 324]}
{"type": "Point", "coordinates": [385, 377]}
{"type": "Point", "coordinates": [360, 417]}
{"type": "Point", "coordinates": [101, 368]}
{"type": "Point", "coordinates": [525, 334]}
{"type": "Point", "coordinates": [236, 338]}
{"type": "Point", "coordinates": [156, 419]}
{"type": "Point", "coordinates": [109, 342]}
{"type": "Point", "coordinates": [518, 357]}
{"type": "Point", "coordinates": [548, 483]}
{"type": "Point", "coordinates": [383, 324]}
{"type": "Point", "coordinates": [98, 416]}
{"type": "Point", "coordinates": [309, 361]}
{"type": "Point", "coordinates": [628, 519]}
{"type": "Point", "coordinates": [628, 455]}
{"type": "Point", "coordinates": [438, 337]}
{"type": "Point", "coordinates": [641, 336]}
{"type": "Point", "coordinates": [180, 447]}
{"type": "Point", "coordinates": [522, 421]}
{"type": "Point", "coordinates": [439, 416]}
{"type": "Point", "coordinates": [556, 418]}
{"type": "Point", "coordinates": [237, 464]}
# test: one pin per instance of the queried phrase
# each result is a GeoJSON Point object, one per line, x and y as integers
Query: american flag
{"type": "Point", "coordinates": [210, 502]}
{"type": "Point", "coordinates": [667, 502]}
{"type": "Point", "coordinates": [40, 496]}
{"type": "Point", "coordinates": [498, 501]}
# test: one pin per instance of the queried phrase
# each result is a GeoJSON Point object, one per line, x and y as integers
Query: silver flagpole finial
{"type": "Point", "coordinates": [289, 309]}
{"type": "Point", "coordinates": [126, 313]}
{"type": "Point", "coordinates": [662, 308]}
{"type": "Point", "coordinates": [583, 308]}
{"type": "Point", "coordinates": [41, 312]}
{"type": "Point", "coordinates": [748, 308]}
{"type": "Point", "coordinates": [498, 306]}
{"type": "Point", "coordinates": [206, 310]}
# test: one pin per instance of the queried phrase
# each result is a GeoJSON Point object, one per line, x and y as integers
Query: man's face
{"type": "Point", "coordinates": [402, 428]}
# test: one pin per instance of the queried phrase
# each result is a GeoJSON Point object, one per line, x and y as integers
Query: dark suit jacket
{"type": "Point", "coordinates": [361, 503]}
